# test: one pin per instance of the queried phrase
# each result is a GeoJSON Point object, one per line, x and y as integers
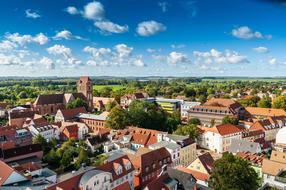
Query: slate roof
{"type": "Point", "coordinates": [187, 180]}
{"type": "Point", "coordinates": [238, 145]}
{"type": "Point", "coordinates": [49, 99]}
{"type": "Point", "coordinates": [18, 151]}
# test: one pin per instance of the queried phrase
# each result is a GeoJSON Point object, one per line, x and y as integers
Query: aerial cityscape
{"type": "Point", "coordinates": [143, 95]}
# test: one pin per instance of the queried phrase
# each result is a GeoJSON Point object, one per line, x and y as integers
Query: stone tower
{"type": "Point", "coordinates": [84, 86]}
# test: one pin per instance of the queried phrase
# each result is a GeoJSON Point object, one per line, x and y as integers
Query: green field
{"type": "Point", "coordinates": [114, 87]}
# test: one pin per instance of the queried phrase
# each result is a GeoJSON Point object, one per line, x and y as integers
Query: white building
{"type": "Point", "coordinates": [186, 106]}
{"type": "Point", "coordinates": [219, 138]}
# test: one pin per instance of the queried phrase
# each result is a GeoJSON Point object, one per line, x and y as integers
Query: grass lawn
{"type": "Point", "coordinates": [114, 87]}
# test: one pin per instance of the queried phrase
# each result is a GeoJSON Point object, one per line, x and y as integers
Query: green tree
{"type": "Point", "coordinates": [82, 158]}
{"type": "Point", "coordinates": [264, 103]}
{"type": "Point", "coordinates": [231, 172]}
{"type": "Point", "coordinates": [52, 158]}
{"type": "Point", "coordinates": [110, 105]}
{"type": "Point", "coordinates": [118, 118]}
{"type": "Point", "coordinates": [39, 139]}
{"type": "Point", "coordinates": [194, 121]}
{"type": "Point", "coordinates": [279, 102]}
{"type": "Point", "coordinates": [190, 130]}
{"type": "Point", "coordinates": [77, 103]}
{"type": "Point", "coordinates": [230, 120]}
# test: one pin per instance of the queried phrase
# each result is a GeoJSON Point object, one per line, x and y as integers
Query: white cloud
{"type": "Point", "coordinates": [72, 10]}
{"type": "Point", "coordinates": [123, 50]}
{"type": "Point", "coordinates": [175, 58]}
{"type": "Point", "coordinates": [244, 32]}
{"type": "Point", "coordinates": [9, 60]}
{"type": "Point", "coordinates": [94, 11]}
{"type": "Point", "coordinates": [217, 57]}
{"type": "Point", "coordinates": [25, 39]}
{"type": "Point", "coordinates": [138, 62]}
{"type": "Point", "coordinates": [149, 28]}
{"type": "Point", "coordinates": [273, 61]}
{"type": "Point", "coordinates": [65, 53]}
{"type": "Point", "coordinates": [174, 46]}
{"type": "Point", "coordinates": [121, 54]}
{"type": "Point", "coordinates": [261, 49]}
{"type": "Point", "coordinates": [164, 6]}
{"type": "Point", "coordinates": [65, 34]}
{"type": "Point", "coordinates": [47, 62]}
{"type": "Point", "coordinates": [32, 14]}
{"type": "Point", "coordinates": [110, 27]}
{"type": "Point", "coordinates": [150, 50]}
{"type": "Point", "coordinates": [6, 45]}
{"type": "Point", "coordinates": [40, 39]}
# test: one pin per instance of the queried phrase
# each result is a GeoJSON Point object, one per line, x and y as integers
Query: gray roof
{"type": "Point", "coordinates": [187, 180]}
{"type": "Point", "coordinates": [166, 144]}
{"type": "Point", "coordinates": [86, 176]}
{"type": "Point", "coordinates": [158, 99]}
{"type": "Point", "coordinates": [177, 137]}
{"type": "Point", "coordinates": [238, 145]}
{"type": "Point", "coordinates": [191, 104]}
{"type": "Point", "coordinates": [91, 116]}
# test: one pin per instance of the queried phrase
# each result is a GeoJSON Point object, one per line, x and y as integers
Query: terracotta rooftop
{"type": "Point", "coordinates": [265, 111]}
{"type": "Point", "coordinates": [198, 175]}
{"type": "Point", "coordinates": [71, 113]}
{"type": "Point", "coordinates": [224, 129]}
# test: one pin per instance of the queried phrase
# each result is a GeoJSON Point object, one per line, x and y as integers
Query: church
{"type": "Point", "coordinates": [50, 103]}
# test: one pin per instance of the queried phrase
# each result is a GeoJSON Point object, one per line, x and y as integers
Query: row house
{"type": "Point", "coordinates": [270, 126]}
{"type": "Point", "coordinates": [188, 147]}
{"type": "Point", "coordinates": [117, 173]}
{"type": "Point", "coordinates": [39, 126]}
{"type": "Point", "coordinates": [137, 137]}
{"type": "Point", "coordinates": [258, 113]}
{"type": "Point", "coordinates": [149, 164]}
{"type": "Point", "coordinates": [215, 109]}
{"type": "Point", "coordinates": [17, 118]}
{"type": "Point", "coordinates": [11, 136]}
{"type": "Point", "coordinates": [68, 114]}
{"type": "Point", "coordinates": [219, 138]}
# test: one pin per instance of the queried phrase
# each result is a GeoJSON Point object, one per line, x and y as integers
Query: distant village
{"type": "Point", "coordinates": [37, 154]}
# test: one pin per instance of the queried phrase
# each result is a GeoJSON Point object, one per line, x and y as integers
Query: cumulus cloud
{"type": "Point", "coordinates": [72, 10]}
{"type": "Point", "coordinates": [94, 11]}
{"type": "Point", "coordinates": [273, 61]}
{"type": "Point", "coordinates": [25, 39]}
{"type": "Point", "coordinates": [261, 49]}
{"type": "Point", "coordinates": [32, 14]}
{"type": "Point", "coordinates": [65, 34]}
{"type": "Point", "coordinates": [6, 45]}
{"type": "Point", "coordinates": [217, 57]}
{"type": "Point", "coordinates": [175, 58]}
{"type": "Point", "coordinates": [65, 53]}
{"type": "Point", "coordinates": [123, 50]}
{"type": "Point", "coordinates": [244, 32]}
{"type": "Point", "coordinates": [9, 60]}
{"type": "Point", "coordinates": [149, 28]}
{"type": "Point", "coordinates": [119, 55]}
{"type": "Point", "coordinates": [47, 62]}
{"type": "Point", "coordinates": [110, 27]}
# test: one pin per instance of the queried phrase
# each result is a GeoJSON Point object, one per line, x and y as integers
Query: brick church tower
{"type": "Point", "coordinates": [84, 86]}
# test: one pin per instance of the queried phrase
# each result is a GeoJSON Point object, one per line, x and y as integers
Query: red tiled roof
{"type": "Point", "coordinates": [71, 113]}
{"type": "Point", "coordinates": [227, 129]}
{"type": "Point", "coordinates": [109, 167]}
{"type": "Point", "coordinates": [123, 186]}
{"type": "Point", "coordinates": [45, 99]}
{"type": "Point", "coordinates": [158, 183]}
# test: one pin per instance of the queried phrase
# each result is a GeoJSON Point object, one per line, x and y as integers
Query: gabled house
{"type": "Point", "coordinates": [74, 130]}
{"type": "Point", "coordinates": [219, 138]}
{"type": "Point", "coordinates": [149, 165]}
{"type": "Point", "coordinates": [68, 114]}
{"type": "Point", "coordinates": [201, 168]}
{"type": "Point", "coordinates": [270, 126]}
{"type": "Point", "coordinates": [100, 103]}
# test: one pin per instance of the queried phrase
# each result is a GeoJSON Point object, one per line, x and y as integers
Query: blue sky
{"type": "Point", "coordinates": [142, 38]}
